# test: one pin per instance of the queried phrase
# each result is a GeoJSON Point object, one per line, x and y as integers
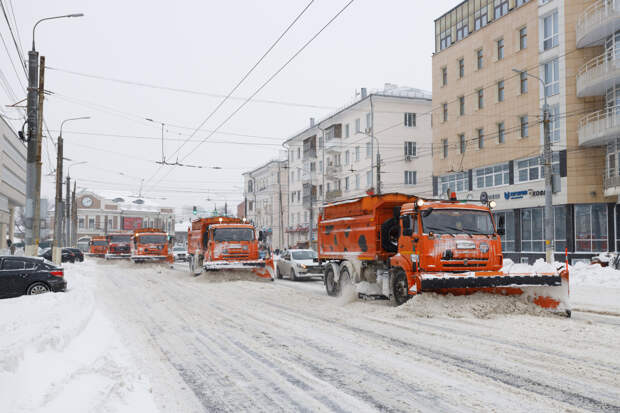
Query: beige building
{"type": "Point", "coordinates": [265, 193]}
{"type": "Point", "coordinates": [487, 129]}
{"type": "Point", "coordinates": [13, 182]}
{"type": "Point", "coordinates": [379, 142]}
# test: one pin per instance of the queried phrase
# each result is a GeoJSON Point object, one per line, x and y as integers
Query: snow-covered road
{"type": "Point", "coordinates": [283, 346]}
{"type": "Point", "coordinates": [184, 344]}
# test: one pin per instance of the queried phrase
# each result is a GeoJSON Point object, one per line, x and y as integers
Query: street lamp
{"type": "Point", "coordinates": [58, 215]}
{"type": "Point", "coordinates": [33, 170]}
{"type": "Point", "coordinates": [548, 171]}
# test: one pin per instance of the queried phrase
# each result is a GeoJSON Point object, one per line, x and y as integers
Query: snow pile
{"type": "Point", "coordinates": [540, 266]}
{"type": "Point", "coordinates": [61, 354]}
{"type": "Point", "coordinates": [479, 305]}
{"type": "Point", "coordinates": [595, 275]}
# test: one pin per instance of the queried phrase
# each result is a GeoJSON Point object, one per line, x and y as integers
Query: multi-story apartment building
{"type": "Point", "coordinates": [380, 142]}
{"type": "Point", "coordinates": [487, 130]}
{"type": "Point", "coordinates": [265, 192]}
{"type": "Point", "coordinates": [13, 182]}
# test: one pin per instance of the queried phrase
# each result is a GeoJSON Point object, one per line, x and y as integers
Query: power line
{"type": "Point", "coordinates": [19, 52]}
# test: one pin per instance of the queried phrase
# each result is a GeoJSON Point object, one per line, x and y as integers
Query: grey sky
{"type": "Point", "coordinates": [206, 46]}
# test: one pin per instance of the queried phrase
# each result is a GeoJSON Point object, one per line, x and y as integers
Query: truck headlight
{"type": "Point", "coordinates": [303, 266]}
{"type": "Point", "coordinates": [415, 258]}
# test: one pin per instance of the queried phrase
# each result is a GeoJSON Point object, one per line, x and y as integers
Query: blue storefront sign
{"type": "Point", "coordinates": [515, 195]}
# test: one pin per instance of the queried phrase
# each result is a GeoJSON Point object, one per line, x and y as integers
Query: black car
{"type": "Point", "coordinates": [67, 255]}
{"type": "Point", "coordinates": [79, 255]}
{"type": "Point", "coordinates": [29, 275]}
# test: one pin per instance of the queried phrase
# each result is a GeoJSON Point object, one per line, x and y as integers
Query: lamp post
{"type": "Point", "coordinates": [58, 208]}
{"type": "Point", "coordinates": [548, 170]}
{"type": "Point", "coordinates": [68, 221]}
{"type": "Point", "coordinates": [163, 156]}
{"type": "Point", "coordinates": [33, 179]}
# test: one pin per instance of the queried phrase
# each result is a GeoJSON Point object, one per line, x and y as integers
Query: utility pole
{"type": "Point", "coordinates": [372, 142]}
{"type": "Point", "coordinates": [73, 217]}
{"type": "Point", "coordinates": [36, 224]}
{"type": "Point", "coordinates": [281, 217]}
{"type": "Point", "coordinates": [58, 214]}
{"type": "Point", "coordinates": [31, 181]}
{"type": "Point", "coordinates": [378, 173]}
{"type": "Point", "coordinates": [67, 207]}
{"type": "Point", "coordinates": [311, 213]}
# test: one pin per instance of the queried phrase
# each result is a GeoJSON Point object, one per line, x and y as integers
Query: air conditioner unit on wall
{"type": "Point", "coordinates": [408, 157]}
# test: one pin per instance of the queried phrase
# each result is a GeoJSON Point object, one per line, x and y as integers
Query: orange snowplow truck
{"type": "Point", "coordinates": [225, 243]}
{"type": "Point", "coordinates": [119, 246]}
{"type": "Point", "coordinates": [98, 246]}
{"type": "Point", "coordinates": [150, 244]}
{"type": "Point", "coordinates": [394, 246]}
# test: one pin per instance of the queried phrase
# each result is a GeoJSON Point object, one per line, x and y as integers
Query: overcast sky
{"type": "Point", "coordinates": [204, 47]}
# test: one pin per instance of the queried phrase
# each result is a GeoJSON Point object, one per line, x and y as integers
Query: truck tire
{"type": "Point", "coordinates": [390, 232]}
{"type": "Point", "coordinates": [331, 285]}
{"type": "Point", "coordinates": [400, 287]}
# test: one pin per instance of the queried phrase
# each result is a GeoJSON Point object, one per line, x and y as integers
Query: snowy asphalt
{"type": "Point", "coordinates": [286, 346]}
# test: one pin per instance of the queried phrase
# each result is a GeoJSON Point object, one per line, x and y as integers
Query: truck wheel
{"type": "Point", "coordinates": [390, 232]}
{"type": "Point", "coordinates": [400, 287]}
{"type": "Point", "coordinates": [331, 286]}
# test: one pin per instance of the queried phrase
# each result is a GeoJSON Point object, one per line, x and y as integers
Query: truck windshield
{"type": "Point", "coordinates": [100, 243]}
{"type": "Point", "coordinates": [120, 238]}
{"type": "Point", "coordinates": [458, 221]}
{"type": "Point", "coordinates": [303, 255]}
{"type": "Point", "coordinates": [233, 234]}
{"type": "Point", "coordinates": [152, 239]}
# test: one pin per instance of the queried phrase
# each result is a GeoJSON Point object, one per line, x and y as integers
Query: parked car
{"type": "Point", "coordinates": [79, 255]}
{"type": "Point", "coordinates": [67, 255]}
{"type": "Point", "coordinates": [29, 275]}
{"type": "Point", "coordinates": [180, 253]}
{"type": "Point", "coordinates": [297, 264]}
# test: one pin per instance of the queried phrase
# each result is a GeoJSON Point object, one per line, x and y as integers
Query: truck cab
{"type": "Point", "coordinates": [119, 246]}
{"type": "Point", "coordinates": [98, 247]}
{"type": "Point", "coordinates": [231, 242]}
{"type": "Point", "coordinates": [150, 244]}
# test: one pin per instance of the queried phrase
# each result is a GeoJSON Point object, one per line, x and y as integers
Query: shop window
{"type": "Point", "coordinates": [559, 228]}
{"type": "Point", "coordinates": [508, 239]}
{"type": "Point", "coordinates": [532, 234]}
{"type": "Point", "coordinates": [591, 228]}
{"type": "Point", "coordinates": [491, 176]}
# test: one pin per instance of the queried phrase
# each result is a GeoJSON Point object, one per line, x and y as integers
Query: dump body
{"type": "Point", "coordinates": [98, 246]}
{"type": "Point", "coordinates": [218, 243]}
{"type": "Point", "coordinates": [119, 245]}
{"type": "Point", "coordinates": [401, 245]}
{"type": "Point", "coordinates": [150, 244]}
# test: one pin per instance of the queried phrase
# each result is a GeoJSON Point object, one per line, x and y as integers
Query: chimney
{"type": "Point", "coordinates": [311, 122]}
{"type": "Point", "coordinates": [364, 92]}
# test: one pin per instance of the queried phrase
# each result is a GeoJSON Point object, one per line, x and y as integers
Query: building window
{"type": "Point", "coordinates": [529, 169]}
{"type": "Point", "coordinates": [591, 228]}
{"type": "Point", "coordinates": [369, 179]}
{"type": "Point", "coordinates": [462, 30]}
{"type": "Point", "coordinates": [523, 38]}
{"type": "Point", "coordinates": [444, 76]}
{"type": "Point", "coordinates": [532, 230]}
{"type": "Point", "coordinates": [346, 158]}
{"type": "Point", "coordinates": [91, 223]}
{"type": "Point", "coordinates": [444, 144]}
{"type": "Point", "coordinates": [500, 49]}
{"type": "Point", "coordinates": [462, 144]}
{"type": "Point", "coordinates": [369, 121]}
{"type": "Point", "coordinates": [554, 124]}
{"type": "Point", "coordinates": [508, 239]}
{"type": "Point", "coordinates": [410, 149]}
{"type": "Point", "coordinates": [357, 154]}
{"type": "Point", "coordinates": [81, 223]}
{"type": "Point", "coordinates": [559, 228]}
{"type": "Point", "coordinates": [550, 31]}
{"type": "Point", "coordinates": [312, 166]}
{"type": "Point", "coordinates": [480, 138]}
{"type": "Point", "coordinates": [523, 81]}
{"type": "Point", "coordinates": [346, 183]}
{"type": "Point", "coordinates": [445, 39]}
{"type": "Point", "coordinates": [501, 8]}
{"type": "Point", "coordinates": [358, 125]}
{"type": "Point", "coordinates": [346, 130]}
{"type": "Point", "coordinates": [479, 59]}
{"type": "Point", "coordinates": [445, 112]}
{"type": "Point", "coordinates": [525, 126]}
{"type": "Point", "coordinates": [480, 98]}
{"type": "Point", "coordinates": [298, 153]}
{"type": "Point", "coordinates": [501, 132]}
{"type": "Point", "coordinates": [368, 150]}
{"type": "Point", "coordinates": [410, 178]}
{"type": "Point", "coordinates": [491, 176]}
{"type": "Point", "coordinates": [357, 182]}
{"type": "Point", "coordinates": [410, 119]}
{"type": "Point", "coordinates": [458, 182]}
{"type": "Point", "coordinates": [461, 105]}
{"type": "Point", "coordinates": [522, 2]}
{"type": "Point", "coordinates": [481, 19]}
{"type": "Point", "coordinates": [461, 68]}
{"type": "Point", "coordinates": [552, 77]}
{"type": "Point", "coordinates": [500, 91]}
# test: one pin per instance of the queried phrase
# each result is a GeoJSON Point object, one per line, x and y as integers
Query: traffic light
{"type": "Point", "coordinates": [195, 211]}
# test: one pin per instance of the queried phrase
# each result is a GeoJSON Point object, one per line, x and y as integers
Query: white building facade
{"type": "Point", "coordinates": [380, 143]}
{"type": "Point", "coordinates": [265, 198]}
{"type": "Point", "coordinates": [12, 182]}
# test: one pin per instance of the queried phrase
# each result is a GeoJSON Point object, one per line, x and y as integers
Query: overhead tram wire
{"type": "Point", "coordinates": [264, 84]}
{"type": "Point", "coordinates": [19, 51]}
{"type": "Point", "coordinates": [240, 82]}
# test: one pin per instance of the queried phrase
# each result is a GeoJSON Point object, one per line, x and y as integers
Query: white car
{"type": "Point", "coordinates": [180, 253]}
{"type": "Point", "coordinates": [298, 264]}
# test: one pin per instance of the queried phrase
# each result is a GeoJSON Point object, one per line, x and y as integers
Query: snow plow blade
{"type": "Point", "coordinates": [117, 256]}
{"type": "Point", "coordinates": [151, 258]}
{"type": "Point", "coordinates": [547, 290]}
{"type": "Point", "coordinates": [261, 268]}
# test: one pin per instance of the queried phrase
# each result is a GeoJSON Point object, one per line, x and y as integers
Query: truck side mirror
{"type": "Point", "coordinates": [407, 229]}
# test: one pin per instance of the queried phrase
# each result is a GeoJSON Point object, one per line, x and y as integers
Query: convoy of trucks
{"type": "Point", "coordinates": [225, 243]}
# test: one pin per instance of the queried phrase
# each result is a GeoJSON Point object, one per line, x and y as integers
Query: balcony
{"type": "Point", "coordinates": [599, 74]}
{"type": "Point", "coordinates": [612, 186]}
{"type": "Point", "coordinates": [333, 145]}
{"type": "Point", "coordinates": [332, 195]}
{"type": "Point", "coordinates": [333, 171]}
{"type": "Point", "coordinates": [598, 22]}
{"type": "Point", "coordinates": [599, 127]}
